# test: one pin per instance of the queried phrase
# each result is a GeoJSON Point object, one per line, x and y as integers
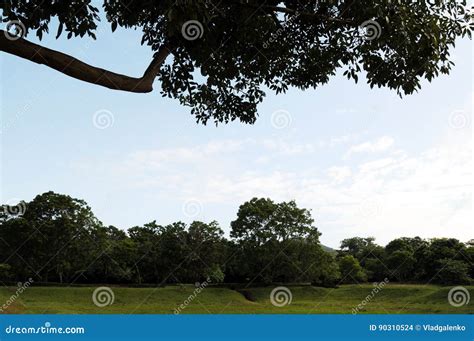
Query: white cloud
{"type": "Point", "coordinates": [380, 145]}
{"type": "Point", "coordinates": [343, 139]}
{"type": "Point", "coordinates": [339, 173]}
{"type": "Point", "coordinates": [286, 148]}
{"type": "Point", "coordinates": [391, 195]}
{"type": "Point", "coordinates": [161, 157]}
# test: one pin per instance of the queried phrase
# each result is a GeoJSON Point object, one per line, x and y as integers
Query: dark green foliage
{"type": "Point", "coordinates": [452, 272]}
{"type": "Point", "coordinates": [52, 240]}
{"type": "Point", "coordinates": [243, 47]}
{"type": "Point", "coordinates": [277, 242]}
{"type": "Point", "coordinates": [402, 265]}
{"type": "Point", "coordinates": [469, 257]}
{"type": "Point", "coordinates": [351, 271]}
{"type": "Point", "coordinates": [5, 272]}
{"type": "Point", "coordinates": [375, 269]}
{"type": "Point", "coordinates": [370, 256]}
{"type": "Point", "coordinates": [439, 260]}
{"type": "Point", "coordinates": [58, 239]}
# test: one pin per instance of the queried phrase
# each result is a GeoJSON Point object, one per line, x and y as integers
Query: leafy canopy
{"type": "Point", "coordinates": [225, 53]}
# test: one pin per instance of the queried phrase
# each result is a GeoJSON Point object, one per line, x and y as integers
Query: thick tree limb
{"type": "Point", "coordinates": [82, 71]}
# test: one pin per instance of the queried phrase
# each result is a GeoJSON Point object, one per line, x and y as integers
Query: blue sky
{"type": "Point", "coordinates": [366, 162]}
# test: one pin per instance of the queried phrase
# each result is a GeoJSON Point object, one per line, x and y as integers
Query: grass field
{"type": "Point", "coordinates": [402, 299]}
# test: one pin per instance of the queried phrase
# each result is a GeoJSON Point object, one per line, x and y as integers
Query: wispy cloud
{"type": "Point", "coordinates": [393, 193]}
{"type": "Point", "coordinates": [380, 145]}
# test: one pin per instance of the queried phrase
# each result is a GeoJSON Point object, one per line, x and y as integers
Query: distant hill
{"type": "Point", "coordinates": [328, 249]}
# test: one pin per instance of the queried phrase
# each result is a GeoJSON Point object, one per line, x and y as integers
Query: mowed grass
{"type": "Point", "coordinates": [392, 299]}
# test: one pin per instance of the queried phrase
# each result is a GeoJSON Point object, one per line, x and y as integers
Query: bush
{"type": "Point", "coordinates": [216, 275]}
{"type": "Point", "coordinates": [351, 271]}
{"type": "Point", "coordinates": [5, 274]}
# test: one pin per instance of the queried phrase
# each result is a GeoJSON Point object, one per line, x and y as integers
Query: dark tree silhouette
{"type": "Point", "coordinates": [225, 52]}
{"type": "Point", "coordinates": [57, 238]}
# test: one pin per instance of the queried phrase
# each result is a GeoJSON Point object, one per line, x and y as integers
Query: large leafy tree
{"type": "Point", "coordinates": [262, 220]}
{"type": "Point", "coordinates": [113, 256]}
{"type": "Point", "coordinates": [145, 241]}
{"type": "Point", "coordinates": [368, 253]}
{"type": "Point", "coordinates": [66, 225]}
{"type": "Point", "coordinates": [442, 254]}
{"type": "Point", "coordinates": [358, 247]}
{"type": "Point", "coordinates": [206, 248]}
{"type": "Point", "coordinates": [278, 242]}
{"type": "Point", "coordinates": [452, 272]}
{"type": "Point", "coordinates": [443, 260]}
{"type": "Point", "coordinates": [160, 252]}
{"type": "Point", "coordinates": [222, 54]}
{"type": "Point", "coordinates": [52, 240]}
{"type": "Point", "coordinates": [351, 271]}
{"type": "Point", "coordinates": [402, 265]}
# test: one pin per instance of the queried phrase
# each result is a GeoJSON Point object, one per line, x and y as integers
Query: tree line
{"type": "Point", "coordinates": [57, 239]}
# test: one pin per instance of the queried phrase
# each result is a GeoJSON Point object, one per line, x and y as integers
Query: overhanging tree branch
{"type": "Point", "coordinates": [77, 69]}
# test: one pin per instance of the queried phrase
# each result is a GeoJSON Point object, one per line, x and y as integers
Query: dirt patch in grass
{"type": "Point", "coordinates": [248, 295]}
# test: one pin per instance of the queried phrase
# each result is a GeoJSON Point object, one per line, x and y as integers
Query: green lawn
{"type": "Point", "coordinates": [406, 299]}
